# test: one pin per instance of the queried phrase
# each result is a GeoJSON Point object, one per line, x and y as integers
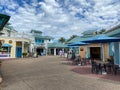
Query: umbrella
{"type": "Point", "coordinates": [102, 39]}
{"type": "Point", "coordinates": [77, 44]}
{"type": "Point", "coordinates": [8, 46]}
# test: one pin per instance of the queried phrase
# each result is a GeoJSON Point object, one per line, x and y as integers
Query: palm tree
{"type": "Point", "coordinates": [62, 40]}
{"type": "Point", "coordinates": [102, 31]}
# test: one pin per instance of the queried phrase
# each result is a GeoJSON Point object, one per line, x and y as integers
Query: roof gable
{"type": "Point", "coordinates": [36, 31]}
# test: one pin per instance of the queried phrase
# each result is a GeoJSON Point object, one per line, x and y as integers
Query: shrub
{"type": "Point", "coordinates": [24, 54]}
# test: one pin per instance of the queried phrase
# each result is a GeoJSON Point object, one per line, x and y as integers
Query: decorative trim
{"type": "Point", "coordinates": [10, 41]}
{"type": "Point", "coordinates": [81, 49]}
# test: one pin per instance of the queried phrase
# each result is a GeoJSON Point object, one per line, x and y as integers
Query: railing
{"type": "Point", "coordinates": [4, 56]}
{"type": "Point", "coordinates": [40, 44]}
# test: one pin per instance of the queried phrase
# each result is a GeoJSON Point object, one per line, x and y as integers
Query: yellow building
{"type": "Point", "coordinates": [13, 44]}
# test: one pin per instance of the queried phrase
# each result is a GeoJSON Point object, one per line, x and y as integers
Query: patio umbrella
{"type": "Point", "coordinates": [102, 39]}
{"type": "Point", "coordinates": [8, 46]}
{"type": "Point", "coordinates": [77, 44]}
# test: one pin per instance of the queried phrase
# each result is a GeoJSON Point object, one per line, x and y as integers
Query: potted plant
{"type": "Point", "coordinates": [24, 54]}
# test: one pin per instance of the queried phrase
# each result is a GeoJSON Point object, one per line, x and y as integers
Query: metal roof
{"type": "Point", "coordinates": [78, 39]}
{"type": "Point", "coordinates": [115, 31]}
{"type": "Point", "coordinates": [3, 20]}
{"type": "Point", "coordinates": [57, 45]}
{"type": "Point", "coordinates": [36, 31]}
{"type": "Point", "coordinates": [44, 37]}
{"type": "Point", "coordinates": [89, 32]}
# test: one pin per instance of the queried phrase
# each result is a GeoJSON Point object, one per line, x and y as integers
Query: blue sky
{"type": "Point", "coordinates": [61, 18]}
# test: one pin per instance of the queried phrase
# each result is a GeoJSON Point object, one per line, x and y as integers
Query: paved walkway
{"type": "Point", "coordinates": [49, 73]}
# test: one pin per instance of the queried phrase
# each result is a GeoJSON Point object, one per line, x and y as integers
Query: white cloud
{"type": "Point", "coordinates": [58, 19]}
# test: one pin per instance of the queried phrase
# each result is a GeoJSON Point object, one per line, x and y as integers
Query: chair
{"type": "Point", "coordinates": [102, 67]}
{"type": "Point", "coordinates": [110, 66]}
{"type": "Point", "coordinates": [116, 69]}
{"type": "Point", "coordinates": [93, 69]}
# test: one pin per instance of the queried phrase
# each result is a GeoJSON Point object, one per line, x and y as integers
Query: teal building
{"type": "Point", "coordinates": [41, 42]}
{"type": "Point", "coordinates": [54, 48]}
{"type": "Point", "coordinates": [114, 47]}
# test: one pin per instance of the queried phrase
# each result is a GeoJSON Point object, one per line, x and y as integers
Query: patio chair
{"type": "Point", "coordinates": [110, 66]}
{"type": "Point", "coordinates": [93, 69]}
{"type": "Point", "coordinates": [102, 67]}
{"type": "Point", "coordinates": [75, 61]}
{"type": "Point", "coordinates": [116, 69]}
{"type": "Point", "coordinates": [83, 61]}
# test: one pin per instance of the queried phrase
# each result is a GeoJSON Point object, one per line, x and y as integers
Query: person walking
{"type": "Point", "coordinates": [60, 53]}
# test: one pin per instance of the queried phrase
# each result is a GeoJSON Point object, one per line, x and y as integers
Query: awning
{"type": "Point", "coordinates": [3, 20]}
{"type": "Point", "coordinates": [77, 44]}
{"type": "Point", "coordinates": [6, 45]}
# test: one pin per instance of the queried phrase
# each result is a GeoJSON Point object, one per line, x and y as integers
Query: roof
{"type": "Point", "coordinates": [3, 20]}
{"type": "Point", "coordinates": [102, 38]}
{"type": "Point", "coordinates": [113, 28]}
{"type": "Point", "coordinates": [36, 31]}
{"type": "Point", "coordinates": [89, 32]}
{"type": "Point", "coordinates": [44, 37]}
{"type": "Point", "coordinates": [57, 45]}
{"type": "Point", "coordinates": [115, 31]}
{"type": "Point", "coordinates": [78, 39]}
{"type": "Point", "coordinates": [10, 28]}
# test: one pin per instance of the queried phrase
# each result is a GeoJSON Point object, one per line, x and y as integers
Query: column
{"type": "Point", "coordinates": [116, 53]}
{"type": "Point", "coordinates": [46, 47]}
{"type": "Point", "coordinates": [54, 51]}
{"type": "Point", "coordinates": [23, 46]}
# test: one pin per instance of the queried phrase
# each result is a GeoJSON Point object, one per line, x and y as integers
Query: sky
{"type": "Point", "coordinates": [61, 18]}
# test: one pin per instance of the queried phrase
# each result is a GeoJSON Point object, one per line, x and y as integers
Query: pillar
{"type": "Point", "coordinates": [116, 53]}
{"type": "Point", "coordinates": [54, 51]}
{"type": "Point", "coordinates": [23, 46]}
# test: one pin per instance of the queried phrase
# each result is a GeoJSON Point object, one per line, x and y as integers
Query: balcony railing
{"type": "Point", "coordinates": [40, 44]}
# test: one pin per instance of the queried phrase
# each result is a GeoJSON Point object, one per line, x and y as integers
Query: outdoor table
{"type": "Point", "coordinates": [102, 67]}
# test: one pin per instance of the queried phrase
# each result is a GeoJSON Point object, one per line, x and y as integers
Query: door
{"type": "Point", "coordinates": [95, 53]}
{"type": "Point", "coordinates": [18, 52]}
{"type": "Point", "coordinates": [52, 51]}
{"type": "Point", "coordinates": [39, 51]}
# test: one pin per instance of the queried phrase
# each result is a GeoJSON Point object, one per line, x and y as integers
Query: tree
{"type": "Point", "coordinates": [73, 36]}
{"type": "Point", "coordinates": [102, 31]}
{"type": "Point", "coordinates": [62, 40]}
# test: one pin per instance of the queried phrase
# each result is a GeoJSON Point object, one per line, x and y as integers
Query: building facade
{"type": "Point", "coordinates": [13, 44]}
{"type": "Point", "coordinates": [114, 47]}
{"type": "Point", "coordinates": [41, 42]}
{"type": "Point", "coordinates": [94, 50]}
{"type": "Point", "coordinates": [54, 48]}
